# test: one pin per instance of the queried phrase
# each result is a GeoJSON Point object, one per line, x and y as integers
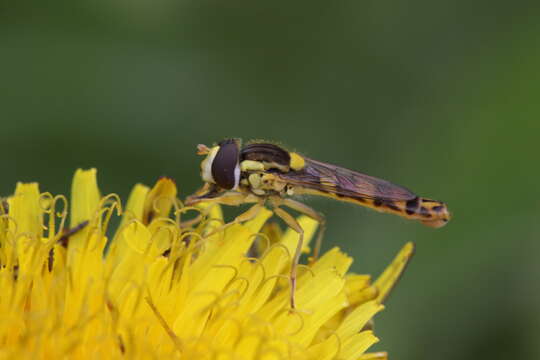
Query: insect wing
{"type": "Point", "coordinates": [320, 176]}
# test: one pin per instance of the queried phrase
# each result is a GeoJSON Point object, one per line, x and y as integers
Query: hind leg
{"type": "Point", "coordinates": [308, 211]}
{"type": "Point", "coordinates": [291, 222]}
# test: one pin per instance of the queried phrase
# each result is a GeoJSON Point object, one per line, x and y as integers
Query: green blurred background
{"type": "Point", "coordinates": [440, 96]}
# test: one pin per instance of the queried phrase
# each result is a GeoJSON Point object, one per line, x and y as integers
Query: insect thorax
{"type": "Point", "coordinates": [257, 177]}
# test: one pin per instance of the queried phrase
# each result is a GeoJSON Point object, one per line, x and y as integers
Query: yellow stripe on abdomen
{"type": "Point", "coordinates": [429, 212]}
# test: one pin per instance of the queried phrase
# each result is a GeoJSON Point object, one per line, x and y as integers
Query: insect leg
{"type": "Point", "coordinates": [291, 221]}
{"type": "Point", "coordinates": [67, 233]}
{"type": "Point", "coordinates": [209, 193]}
{"type": "Point", "coordinates": [243, 217]}
{"type": "Point", "coordinates": [306, 210]}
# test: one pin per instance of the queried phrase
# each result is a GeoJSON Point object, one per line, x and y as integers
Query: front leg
{"type": "Point", "coordinates": [211, 193]}
{"type": "Point", "coordinates": [231, 198]}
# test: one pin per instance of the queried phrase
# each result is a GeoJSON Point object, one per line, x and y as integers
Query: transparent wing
{"type": "Point", "coordinates": [333, 179]}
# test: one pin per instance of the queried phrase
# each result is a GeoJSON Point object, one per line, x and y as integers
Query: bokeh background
{"type": "Point", "coordinates": [440, 96]}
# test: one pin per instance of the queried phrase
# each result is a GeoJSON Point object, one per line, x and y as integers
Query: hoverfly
{"type": "Point", "coordinates": [263, 173]}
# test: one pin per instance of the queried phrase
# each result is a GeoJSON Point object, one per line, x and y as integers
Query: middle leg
{"type": "Point", "coordinates": [249, 214]}
{"type": "Point", "coordinates": [232, 198]}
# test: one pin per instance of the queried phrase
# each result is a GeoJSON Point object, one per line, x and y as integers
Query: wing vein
{"type": "Point", "coordinates": [334, 179]}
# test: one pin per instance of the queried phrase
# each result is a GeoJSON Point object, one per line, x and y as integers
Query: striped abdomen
{"type": "Point", "coordinates": [429, 212]}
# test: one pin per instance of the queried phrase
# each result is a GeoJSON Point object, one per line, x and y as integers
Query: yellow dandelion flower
{"type": "Point", "coordinates": [158, 288]}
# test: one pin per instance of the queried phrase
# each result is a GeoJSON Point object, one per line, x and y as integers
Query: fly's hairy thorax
{"type": "Point", "coordinates": [259, 178]}
{"type": "Point", "coordinates": [261, 166]}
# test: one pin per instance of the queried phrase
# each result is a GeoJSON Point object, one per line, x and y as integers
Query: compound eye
{"type": "Point", "coordinates": [225, 166]}
{"type": "Point", "coordinates": [206, 165]}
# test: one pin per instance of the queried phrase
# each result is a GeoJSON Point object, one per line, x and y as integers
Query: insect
{"type": "Point", "coordinates": [263, 173]}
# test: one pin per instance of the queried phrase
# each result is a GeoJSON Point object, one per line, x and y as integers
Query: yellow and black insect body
{"type": "Point", "coordinates": [263, 173]}
{"type": "Point", "coordinates": [318, 178]}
